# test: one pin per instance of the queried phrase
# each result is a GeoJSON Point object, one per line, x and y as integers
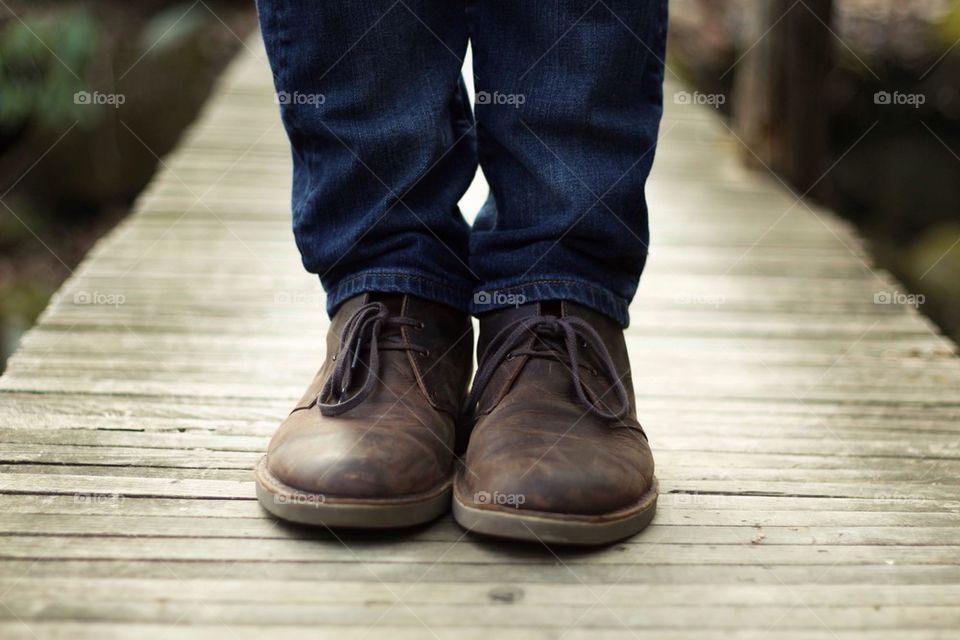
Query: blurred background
{"type": "Point", "coordinates": [855, 103]}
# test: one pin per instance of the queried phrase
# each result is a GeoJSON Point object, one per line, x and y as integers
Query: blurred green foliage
{"type": "Point", "coordinates": [69, 166]}
{"type": "Point", "coordinates": [42, 60]}
{"type": "Point", "coordinates": [948, 31]}
{"type": "Point", "coordinates": [169, 27]}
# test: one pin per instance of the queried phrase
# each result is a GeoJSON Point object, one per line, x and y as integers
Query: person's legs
{"type": "Point", "coordinates": [383, 143]}
{"type": "Point", "coordinates": [383, 148]}
{"type": "Point", "coordinates": [569, 102]}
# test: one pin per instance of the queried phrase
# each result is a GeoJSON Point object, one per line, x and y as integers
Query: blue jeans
{"type": "Point", "coordinates": [384, 141]}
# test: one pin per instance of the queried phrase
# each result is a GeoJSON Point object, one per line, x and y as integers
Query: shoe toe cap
{"type": "Point", "coordinates": [559, 473]}
{"type": "Point", "coordinates": [346, 460]}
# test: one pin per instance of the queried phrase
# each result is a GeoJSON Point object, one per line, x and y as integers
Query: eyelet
{"type": "Point", "coordinates": [510, 356]}
{"type": "Point", "coordinates": [425, 353]}
{"type": "Point", "coordinates": [419, 326]}
{"type": "Point", "coordinates": [594, 372]}
{"type": "Point", "coordinates": [334, 358]}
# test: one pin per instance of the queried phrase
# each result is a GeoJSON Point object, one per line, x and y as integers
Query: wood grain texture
{"type": "Point", "coordinates": [807, 437]}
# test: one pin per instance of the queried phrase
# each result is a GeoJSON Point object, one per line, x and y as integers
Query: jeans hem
{"type": "Point", "coordinates": [415, 284]}
{"type": "Point", "coordinates": [597, 298]}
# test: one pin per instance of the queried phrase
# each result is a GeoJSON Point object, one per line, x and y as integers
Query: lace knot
{"type": "Point", "coordinates": [573, 333]}
{"type": "Point", "coordinates": [365, 330]}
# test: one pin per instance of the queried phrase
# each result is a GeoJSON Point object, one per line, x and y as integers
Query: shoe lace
{"type": "Point", "coordinates": [372, 327]}
{"type": "Point", "coordinates": [561, 337]}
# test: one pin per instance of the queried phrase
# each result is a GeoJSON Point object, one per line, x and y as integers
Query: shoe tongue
{"type": "Point", "coordinates": [392, 301]}
{"type": "Point", "coordinates": [492, 323]}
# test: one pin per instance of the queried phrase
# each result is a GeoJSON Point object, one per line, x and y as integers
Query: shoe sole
{"type": "Point", "coordinates": [303, 507]}
{"type": "Point", "coordinates": [555, 528]}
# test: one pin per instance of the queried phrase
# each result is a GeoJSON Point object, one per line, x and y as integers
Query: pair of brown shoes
{"type": "Point", "coordinates": [555, 451]}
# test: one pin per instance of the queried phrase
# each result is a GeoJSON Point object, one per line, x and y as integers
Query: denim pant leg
{"type": "Point", "coordinates": [569, 99]}
{"type": "Point", "coordinates": [382, 139]}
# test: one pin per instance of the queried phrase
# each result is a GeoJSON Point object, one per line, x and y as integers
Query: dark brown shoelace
{"type": "Point", "coordinates": [562, 338]}
{"type": "Point", "coordinates": [371, 328]}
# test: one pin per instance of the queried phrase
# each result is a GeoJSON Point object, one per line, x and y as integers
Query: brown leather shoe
{"type": "Point", "coordinates": [371, 442]}
{"type": "Point", "coordinates": [556, 454]}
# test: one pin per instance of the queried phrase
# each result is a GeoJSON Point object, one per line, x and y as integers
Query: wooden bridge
{"type": "Point", "coordinates": [803, 413]}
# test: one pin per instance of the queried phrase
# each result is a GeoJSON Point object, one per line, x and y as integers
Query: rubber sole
{"type": "Point", "coordinates": [556, 528]}
{"type": "Point", "coordinates": [315, 509]}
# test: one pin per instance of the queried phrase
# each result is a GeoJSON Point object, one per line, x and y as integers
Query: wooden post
{"type": "Point", "coordinates": [779, 88]}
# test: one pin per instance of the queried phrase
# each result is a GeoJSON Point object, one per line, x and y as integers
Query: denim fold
{"type": "Point", "coordinates": [385, 142]}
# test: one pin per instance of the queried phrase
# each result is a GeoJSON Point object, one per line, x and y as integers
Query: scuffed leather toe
{"type": "Point", "coordinates": [353, 461]}
{"type": "Point", "coordinates": [588, 470]}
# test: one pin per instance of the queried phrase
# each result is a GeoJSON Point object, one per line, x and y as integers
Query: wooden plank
{"type": "Point", "coordinates": [589, 615]}
{"type": "Point", "coordinates": [97, 630]}
{"type": "Point", "coordinates": [525, 594]}
{"type": "Point", "coordinates": [506, 572]}
{"type": "Point", "coordinates": [702, 510]}
{"type": "Point", "coordinates": [260, 528]}
{"type": "Point", "coordinates": [346, 548]}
